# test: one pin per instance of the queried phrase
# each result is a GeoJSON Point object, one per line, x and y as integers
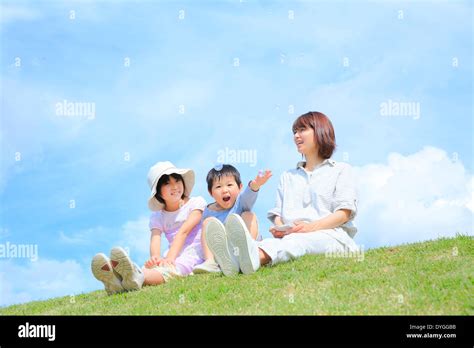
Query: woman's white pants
{"type": "Point", "coordinates": [295, 245]}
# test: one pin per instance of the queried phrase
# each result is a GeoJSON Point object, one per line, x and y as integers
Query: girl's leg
{"type": "Point", "coordinates": [205, 249]}
{"type": "Point", "coordinates": [153, 277]}
{"type": "Point", "coordinates": [251, 222]}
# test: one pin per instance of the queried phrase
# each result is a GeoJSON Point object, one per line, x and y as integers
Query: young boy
{"type": "Point", "coordinates": [225, 186]}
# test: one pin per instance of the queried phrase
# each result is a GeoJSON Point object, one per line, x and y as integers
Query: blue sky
{"type": "Point", "coordinates": [181, 81]}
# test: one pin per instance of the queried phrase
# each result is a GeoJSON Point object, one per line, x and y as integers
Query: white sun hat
{"type": "Point", "coordinates": [167, 168]}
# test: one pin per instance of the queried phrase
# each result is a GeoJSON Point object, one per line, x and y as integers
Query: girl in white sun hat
{"type": "Point", "coordinates": [178, 216]}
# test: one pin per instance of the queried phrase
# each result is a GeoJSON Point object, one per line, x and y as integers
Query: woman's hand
{"type": "Point", "coordinates": [278, 234]}
{"type": "Point", "coordinates": [336, 219]}
{"type": "Point", "coordinates": [304, 226]}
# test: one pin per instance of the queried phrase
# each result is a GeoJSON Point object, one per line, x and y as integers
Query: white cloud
{"type": "Point", "coordinates": [190, 94]}
{"type": "Point", "coordinates": [90, 11]}
{"type": "Point", "coordinates": [89, 236]}
{"type": "Point", "coordinates": [13, 13]}
{"type": "Point", "coordinates": [47, 278]}
{"type": "Point", "coordinates": [43, 279]}
{"type": "Point", "coordinates": [135, 236]}
{"type": "Point", "coordinates": [417, 197]}
{"type": "Point", "coordinates": [75, 239]}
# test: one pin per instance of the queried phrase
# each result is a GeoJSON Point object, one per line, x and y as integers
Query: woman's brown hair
{"type": "Point", "coordinates": [323, 131]}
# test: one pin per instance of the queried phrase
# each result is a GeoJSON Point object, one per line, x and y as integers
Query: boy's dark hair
{"type": "Point", "coordinates": [220, 171]}
{"type": "Point", "coordinates": [323, 131]}
{"type": "Point", "coordinates": [164, 180]}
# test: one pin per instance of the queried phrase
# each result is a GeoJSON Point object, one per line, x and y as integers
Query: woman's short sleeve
{"type": "Point", "coordinates": [345, 194]}
{"type": "Point", "coordinates": [277, 210]}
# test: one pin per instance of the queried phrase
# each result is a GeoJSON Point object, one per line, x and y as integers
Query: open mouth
{"type": "Point", "coordinates": [226, 199]}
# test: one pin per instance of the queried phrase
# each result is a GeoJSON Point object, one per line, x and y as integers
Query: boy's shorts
{"type": "Point", "coordinates": [168, 272]}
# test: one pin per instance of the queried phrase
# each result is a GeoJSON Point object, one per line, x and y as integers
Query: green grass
{"type": "Point", "coordinates": [430, 278]}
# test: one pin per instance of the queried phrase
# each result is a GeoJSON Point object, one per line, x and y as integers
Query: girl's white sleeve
{"type": "Point", "coordinates": [156, 221]}
{"type": "Point", "coordinates": [198, 203]}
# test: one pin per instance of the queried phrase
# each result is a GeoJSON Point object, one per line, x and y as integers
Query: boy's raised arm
{"type": "Point", "coordinates": [260, 180]}
{"type": "Point", "coordinates": [249, 195]}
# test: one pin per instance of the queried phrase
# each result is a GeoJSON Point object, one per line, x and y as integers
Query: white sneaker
{"type": "Point", "coordinates": [217, 242]}
{"type": "Point", "coordinates": [208, 266]}
{"type": "Point", "coordinates": [102, 269]}
{"type": "Point", "coordinates": [241, 240]}
{"type": "Point", "coordinates": [132, 275]}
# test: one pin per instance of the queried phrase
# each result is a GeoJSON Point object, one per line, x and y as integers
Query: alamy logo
{"type": "Point", "coordinates": [79, 109]}
{"type": "Point", "coordinates": [19, 251]}
{"type": "Point", "coordinates": [229, 156]}
{"type": "Point", "coordinates": [357, 253]}
{"type": "Point", "coordinates": [394, 108]}
{"type": "Point", "coordinates": [41, 331]}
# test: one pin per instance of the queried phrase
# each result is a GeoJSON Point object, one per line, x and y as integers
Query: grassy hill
{"type": "Point", "coordinates": [434, 277]}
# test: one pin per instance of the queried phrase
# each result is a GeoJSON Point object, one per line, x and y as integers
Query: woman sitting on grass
{"type": "Point", "coordinates": [316, 203]}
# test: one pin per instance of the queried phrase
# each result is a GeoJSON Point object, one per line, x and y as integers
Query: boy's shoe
{"type": "Point", "coordinates": [208, 266]}
{"type": "Point", "coordinates": [241, 240]}
{"type": "Point", "coordinates": [217, 242]}
{"type": "Point", "coordinates": [132, 275]}
{"type": "Point", "coordinates": [103, 271]}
